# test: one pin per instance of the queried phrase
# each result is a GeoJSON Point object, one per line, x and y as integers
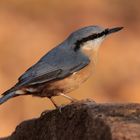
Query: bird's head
{"type": "Point", "coordinates": [89, 38]}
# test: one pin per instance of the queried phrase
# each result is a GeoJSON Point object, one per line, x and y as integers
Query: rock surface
{"type": "Point", "coordinates": [83, 120]}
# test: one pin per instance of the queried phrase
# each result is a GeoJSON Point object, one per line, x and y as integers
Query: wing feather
{"type": "Point", "coordinates": [53, 67]}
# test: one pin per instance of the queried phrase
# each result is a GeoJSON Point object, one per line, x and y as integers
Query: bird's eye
{"type": "Point", "coordinates": [78, 43]}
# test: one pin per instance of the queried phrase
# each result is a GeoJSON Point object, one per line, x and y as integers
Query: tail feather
{"type": "Point", "coordinates": [7, 96]}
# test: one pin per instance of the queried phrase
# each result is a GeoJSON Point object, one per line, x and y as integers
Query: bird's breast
{"type": "Point", "coordinates": [65, 85]}
{"type": "Point", "coordinates": [73, 81]}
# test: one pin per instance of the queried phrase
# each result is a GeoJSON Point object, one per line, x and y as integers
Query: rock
{"type": "Point", "coordinates": [83, 120]}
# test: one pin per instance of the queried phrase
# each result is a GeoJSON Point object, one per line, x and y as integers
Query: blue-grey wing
{"type": "Point", "coordinates": [39, 73]}
{"type": "Point", "coordinates": [57, 64]}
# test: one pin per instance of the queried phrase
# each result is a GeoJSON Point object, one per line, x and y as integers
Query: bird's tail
{"type": "Point", "coordinates": [7, 96]}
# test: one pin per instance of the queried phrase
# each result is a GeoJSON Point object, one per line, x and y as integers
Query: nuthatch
{"type": "Point", "coordinates": [63, 68]}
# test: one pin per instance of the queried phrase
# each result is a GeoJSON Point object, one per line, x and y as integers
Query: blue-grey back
{"type": "Point", "coordinates": [59, 60]}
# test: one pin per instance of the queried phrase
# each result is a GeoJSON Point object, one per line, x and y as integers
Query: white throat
{"type": "Point", "coordinates": [90, 48]}
{"type": "Point", "coordinates": [93, 44]}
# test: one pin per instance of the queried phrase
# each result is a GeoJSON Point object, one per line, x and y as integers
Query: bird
{"type": "Point", "coordinates": [64, 68]}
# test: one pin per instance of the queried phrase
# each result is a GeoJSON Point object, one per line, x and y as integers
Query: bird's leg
{"type": "Point", "coordinates": [46, 111]}
{"type": "Point", "coordinates": [57, 107]}
{"type": "Point", "coordinates": [68, 97]}
{"type": "Point", "coordinates": [53, 102]}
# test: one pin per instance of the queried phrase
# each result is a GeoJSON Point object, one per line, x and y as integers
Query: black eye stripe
{"type": "Point", "coordinates": [88, 38]}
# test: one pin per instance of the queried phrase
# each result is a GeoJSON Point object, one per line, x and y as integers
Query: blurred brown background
{"type": "Point", "coordinates": [30, 28]}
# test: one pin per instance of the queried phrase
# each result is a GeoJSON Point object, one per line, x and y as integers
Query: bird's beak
{"type": "Point", "coordinates": [113, 30]}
